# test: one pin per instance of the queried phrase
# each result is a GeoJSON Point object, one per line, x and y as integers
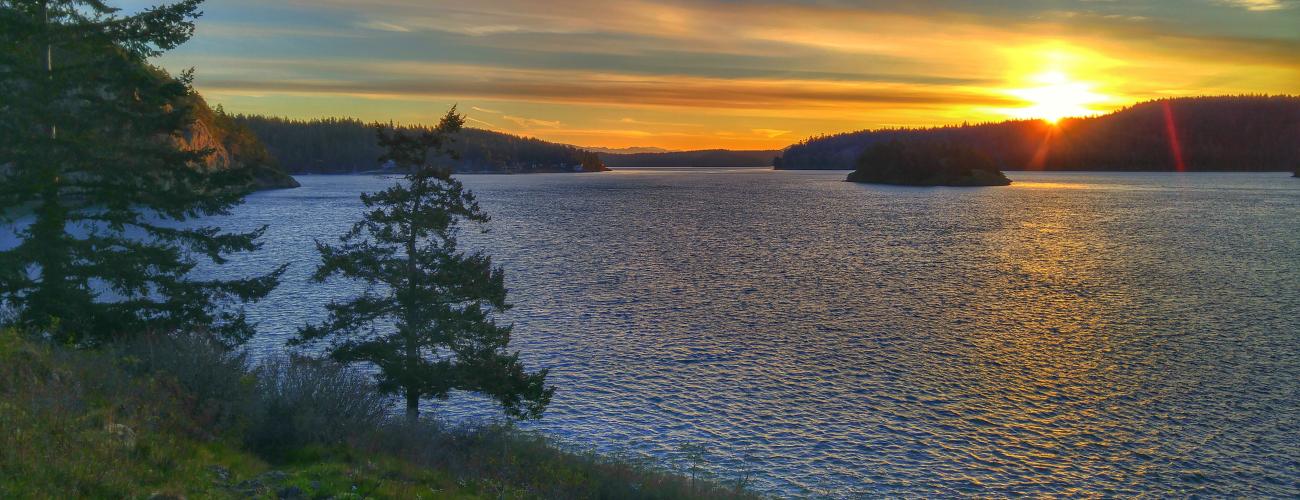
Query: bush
{"type": "Point", "coordinates": [302, 401]}
{"type": "Point", "coordinates": [212, 381]}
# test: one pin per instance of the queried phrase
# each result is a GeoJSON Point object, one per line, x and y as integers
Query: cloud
{"type": "Point", "coordinates": [1256, 5]}
{"type": "Point", "coordinates": [770, 133]}
{"type": "Point", "coordinates": [476, 120]}
{"type": "Point", "coordinates": [485, 110]}
{"type": "Point", "coordinates": [385, 26]}
{"type": "Point", "coordinates": [633, 121]}
{"type": "Point", "coordinates": [530, 122]}
{"type": "Point", "coordinates": [411, 79]}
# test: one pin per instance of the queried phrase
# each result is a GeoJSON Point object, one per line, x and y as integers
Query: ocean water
{"type": "Point", "coordinates": [1087, 334]}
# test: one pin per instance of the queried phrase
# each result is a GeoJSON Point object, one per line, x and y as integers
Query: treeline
{"type": "Point", "coordinates": [345, 145]}
{"type": "Point", "coordinates": [703, 158]}
{"type": "Point", "coordinates": [1225, 133]}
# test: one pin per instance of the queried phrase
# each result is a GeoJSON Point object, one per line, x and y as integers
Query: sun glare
{"type": "Point", "coordinates": [1056, 96]}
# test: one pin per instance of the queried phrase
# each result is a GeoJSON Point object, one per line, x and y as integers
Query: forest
{"type": "Point", "coordinates": [703, 158]}
{"type": "Point", "coordinates": [345, 145]}
{"type": "Point", "coordinates": [1222, 133]}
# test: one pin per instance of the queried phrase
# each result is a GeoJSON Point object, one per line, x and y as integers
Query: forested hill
{"type": "Point", "coordinates": [1229, 133]}
{"type": "Point", "coordinates": [343, 145]}
{"type": "Point", "coordinates": [704, 158]}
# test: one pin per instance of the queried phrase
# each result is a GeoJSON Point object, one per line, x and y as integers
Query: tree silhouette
{"type": "Point", "coordinates": [89, 150]}
{"type": "Point", "coordinates": [426, 319]}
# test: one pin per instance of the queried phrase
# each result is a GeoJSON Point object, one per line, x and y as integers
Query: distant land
{"type": "Point", "coordinates": [702, 158]}
{"type": "Point", "coordinates": [926, 164]}
{"type": "Point", "coordinates": [631, 150]}
{"type": "Point", "coordinates": [1223, 133]}
{"type": "Point", "coordinates": [345, 146]}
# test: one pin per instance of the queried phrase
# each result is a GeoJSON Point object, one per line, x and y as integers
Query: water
{"type": "Point", "coordinates": [1073, 334]}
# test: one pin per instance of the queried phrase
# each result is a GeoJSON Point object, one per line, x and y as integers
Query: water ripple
{"type": "Point", "coordinates": [1071, 335]}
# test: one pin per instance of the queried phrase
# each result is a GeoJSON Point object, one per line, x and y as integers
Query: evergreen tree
{"type": "Point", "coordinates": [426, 318]}
{"type": "Point", "coordinates": [90, 155]}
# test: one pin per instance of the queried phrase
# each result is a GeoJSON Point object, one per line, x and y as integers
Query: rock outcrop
{"type": "Point", "coordinates": [233, 146]}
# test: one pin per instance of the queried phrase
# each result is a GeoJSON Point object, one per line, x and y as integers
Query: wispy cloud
{"type": "Point", "coordinates": [530, 122]}
{"type": "Point", "coordinates": [770, 133]}
{"type": "Point", "coordinates": [633, 121]}
{"type": "Point", "coordinates": [1257, 5]}
{"type": "Point", "coordinates": [622, 89]}
{"type": "Point", "coordinates": [481, 122]}
{"type": "Point", "coordinates": [385, 26]}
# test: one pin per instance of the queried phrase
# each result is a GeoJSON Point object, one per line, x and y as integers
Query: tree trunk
{"type": "Point", "coordinates": [49, 58]}
{"type": "Point", "coordinates": [52, 259]}
{"type": "Point", "coordinates": [412, 406]}
{"type": "Point", "coordinates": [412, 280]}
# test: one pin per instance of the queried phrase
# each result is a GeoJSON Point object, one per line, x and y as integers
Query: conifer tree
{"type": "Point", "coordinates": [426, 319]}
{"type": "Point", "coordinates": [94, 184]}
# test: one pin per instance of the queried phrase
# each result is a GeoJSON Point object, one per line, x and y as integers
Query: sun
{"type": "Point", "coordinates": [1056, 96]}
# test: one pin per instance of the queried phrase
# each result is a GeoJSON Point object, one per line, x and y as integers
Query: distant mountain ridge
{"type": "Point", "coordinates": [629, 150]}
{"type": "Point", "coordinates": [1221, 133]}
{"type": "Point", "coordinates": [346, 145]}
{"type": "Point", "coordinates": [701, 158]}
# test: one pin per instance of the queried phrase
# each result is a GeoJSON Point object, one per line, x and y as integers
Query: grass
{"type": "Point", "coordinates": [185, 421]}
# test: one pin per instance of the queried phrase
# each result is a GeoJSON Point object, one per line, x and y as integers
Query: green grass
{"type": "Point", "coordinates": [84, 424]}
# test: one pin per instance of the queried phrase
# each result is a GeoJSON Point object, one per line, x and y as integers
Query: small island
{"type": "Point", "coordinates": [926, 164]}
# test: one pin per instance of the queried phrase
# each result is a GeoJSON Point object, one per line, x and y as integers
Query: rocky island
{"type": "Point", "coordinates": [926, 164]}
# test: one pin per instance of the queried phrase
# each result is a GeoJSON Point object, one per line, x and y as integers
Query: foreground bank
{"type": "Point", "coordinates": [183, 418]}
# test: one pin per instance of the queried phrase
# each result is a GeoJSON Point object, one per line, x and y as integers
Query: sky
{"type": "Point", "coordinates": [729, 73]}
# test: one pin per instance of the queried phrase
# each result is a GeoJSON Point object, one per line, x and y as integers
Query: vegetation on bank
{"type": "Point", "coordinates": [346, 146]}
{"type": "Point", "coordinates": [926, 164]}
{"type": "Point", "coordinates": [183, 417]}
{"type": "Point", "coordinates": [1225, 133]}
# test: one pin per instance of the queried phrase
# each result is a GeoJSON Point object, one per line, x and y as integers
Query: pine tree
{"type": "Point", "coordinates": [90, 156]}
{"type": "Point", "coordinates": [426, 320]}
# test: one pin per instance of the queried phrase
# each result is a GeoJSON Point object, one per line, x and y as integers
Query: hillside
{"type": "Point", "coordinates": [627, 151]}
{"type": "Point", "coordinates": [1228, 133]}
{"type": "Point", "coordinates": [345, 145]}
{"type": "Point", "coordinates": [703, 158]}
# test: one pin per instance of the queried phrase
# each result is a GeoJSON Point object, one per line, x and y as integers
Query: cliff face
{"type": "Point", "coordinates": [233, 146]}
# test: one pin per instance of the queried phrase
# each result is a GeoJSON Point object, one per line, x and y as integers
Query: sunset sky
{"type": "Point", "coordinates": [729, 73]}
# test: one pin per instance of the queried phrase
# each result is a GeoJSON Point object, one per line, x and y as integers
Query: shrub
{"type": "Point", "coordinates": [212, 381]}
{"type": "Point", "coordinates": [302, 401]}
